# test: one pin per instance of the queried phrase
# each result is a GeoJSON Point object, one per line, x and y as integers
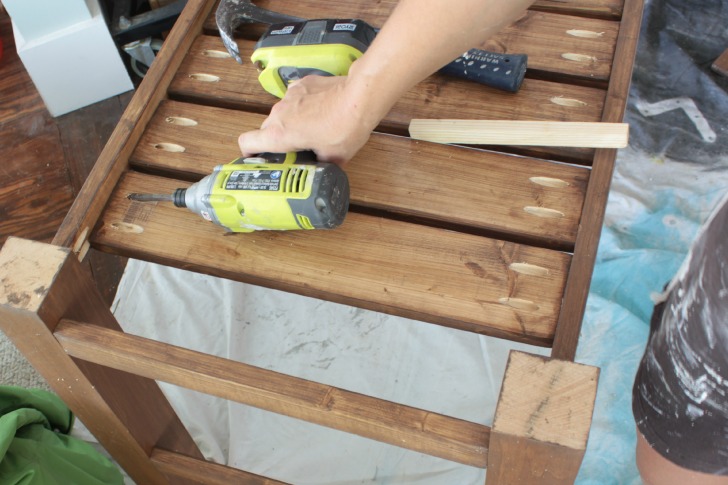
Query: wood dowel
{"type": "Point", "coordinates": [523, 133]}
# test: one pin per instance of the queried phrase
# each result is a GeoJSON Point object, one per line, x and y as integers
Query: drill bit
{"type": "Point", "coordinates": [151, 197]}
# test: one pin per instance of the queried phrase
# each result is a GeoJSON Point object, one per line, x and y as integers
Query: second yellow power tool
{"type": "Point", "coordinates": [267, 192]}
{"type": "Point", "coordinates": [325, 47]}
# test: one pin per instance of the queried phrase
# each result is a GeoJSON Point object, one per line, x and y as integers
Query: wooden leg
{"type": "Point", "coordinates": [40, 284]}
{"type": "Point", "coordinates": [542, 421]}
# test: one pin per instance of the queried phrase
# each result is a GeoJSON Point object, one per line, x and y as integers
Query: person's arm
{"type": "Point", "coordinates": [334, 116]}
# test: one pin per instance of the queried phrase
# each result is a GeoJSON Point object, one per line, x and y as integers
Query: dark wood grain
{"type": "Point", "coordinates": [466, 188]}
{"type": "Point", "coordinates": [587, 240]}
{"type": "Point", "coordinates": [201, 471]}
{"type": "Point", "coordinates": [416, 429]}
{"type": "Point", "coordinates": [457, 280]}
{"type": "Point", "coordinates": [43, 284]}
{"type": "Point", "coordinates": [112, 160]}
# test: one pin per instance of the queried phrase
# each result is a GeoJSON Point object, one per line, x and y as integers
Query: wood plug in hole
{"type": "Point", "coordinates": [544, 212]}
{"type": "Point", "coordinates": [550, 182]}
{"type": "Point", "coordinates": [586, 34]}
{"type": "Point", "coordinates": [169, 147]}
{"type": "Point", "coordinates": [215, 54]}
{"type": "Point", "coordinates": [519, 304]}
{"type": "Point", "coordinates": [205, 78]}
{"type": "Point", "coordinates": [562, 101]}
{"type": "Point", "coordinates": [570, 56]}
{"type": "Point", "coordinates": [529, 269]}
{"type": "Point", "coordinates": [180, 121]}
{"type": "Point", "coordinates": [80, 241]}
{"type": "Point", "coordinates": [127, 227]}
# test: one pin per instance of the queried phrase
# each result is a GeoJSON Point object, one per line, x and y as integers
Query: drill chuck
{"type": "Point", "coordinates": [178, 198]}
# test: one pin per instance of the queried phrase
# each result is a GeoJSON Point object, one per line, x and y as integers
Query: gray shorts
{"type": "Point", "coordinates": [680, 394]}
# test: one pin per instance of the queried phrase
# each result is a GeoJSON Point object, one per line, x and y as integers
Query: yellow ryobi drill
{"type": "Point", "coordinates": [267, 192]}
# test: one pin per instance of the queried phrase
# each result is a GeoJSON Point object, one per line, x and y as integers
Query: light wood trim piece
{"type": "Point", "coordinates": [542, 421]}
{"type": "Point", "coordinates": [595, 204]}
{"type": "Point", "coordinates": [42, 284]}
{"type": "Point", "coordinates": [434, 434]}
{"type": "Point", "coordinates": [525, 133]}
{"type": "Point", "coordinates": [201, 471]}
{"type": "Point", "coordinates": [439, 276]}
{"type": "Point", "coordinates": [113, 159]}
{"type": "Point", "coordinates": [389, 170]}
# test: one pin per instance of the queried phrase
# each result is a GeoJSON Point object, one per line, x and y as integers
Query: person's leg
{"type": "Point", "coordinates": [655, 469]}
{"type": "Point", "coordinates": [680, 394]}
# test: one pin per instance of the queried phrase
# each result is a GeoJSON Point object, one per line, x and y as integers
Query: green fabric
{"type": "Point", "coordinates": [35, 448]}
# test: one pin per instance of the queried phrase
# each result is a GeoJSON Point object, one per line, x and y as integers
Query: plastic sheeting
{"type": "Point", "coordinates": [665, 185]}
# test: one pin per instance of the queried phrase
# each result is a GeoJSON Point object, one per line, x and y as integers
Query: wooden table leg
{"type": "Point", "coordinates": [542, 421]}
{"type": "Point", "coordinates": [42, 284]}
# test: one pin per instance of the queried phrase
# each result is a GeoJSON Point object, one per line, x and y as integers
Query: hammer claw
{"type": "Point", "coordinates": [231, 14]}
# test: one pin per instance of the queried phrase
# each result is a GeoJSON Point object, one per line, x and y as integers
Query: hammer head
{"type": "Point", "coordinates": [231, 14]}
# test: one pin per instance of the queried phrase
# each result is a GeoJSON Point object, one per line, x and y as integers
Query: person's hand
{"type": "Point", "coordinates": [317, 113]}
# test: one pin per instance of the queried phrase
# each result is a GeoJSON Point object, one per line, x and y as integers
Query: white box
{"type": "Point", "coordinates": [75, 66]}
{"type": "Point", "coordinates": [37, 18]}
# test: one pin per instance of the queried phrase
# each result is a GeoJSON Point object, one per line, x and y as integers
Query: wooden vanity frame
{"type": "Point", "coordinates": [499, 243]}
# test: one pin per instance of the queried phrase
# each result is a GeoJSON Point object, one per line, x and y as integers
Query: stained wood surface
{"type": "Point", "coordinates": [435, 434]}
{"type": "Point", "coordinates": [458, 280]}
{"type": "Point", "coordinates": [377, 13]}
{"type": "Point", "coordinates": [113, 159]}
{"type": "Point", "coordinates": [609, 9]}
{"type": "Point", "coordinates": [587, 240]}
{"type": "Point", "coordinates": [43, 284]}
{"type": "Point", "coordinates": [542, 421]}
{"type": "Point", "coordinates": [201, 471]}
{"type": "Point", "coordinates": [720, 65]}
{"type": "Point", "coordinates": [520, 198]}
{"type": "Point", "coordinates": [208, 76]}
{"type": "Point", "coordinates": [36, 190]}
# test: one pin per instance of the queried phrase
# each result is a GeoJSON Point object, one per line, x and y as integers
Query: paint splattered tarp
{"type": "Point", "coordinates": [680, 104]}
{"type": "Point", "coordinates": [35, 448]}
{"type": "Point", "coordinates": [665, 186]}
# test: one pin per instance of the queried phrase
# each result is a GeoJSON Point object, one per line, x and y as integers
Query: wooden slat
{"type": "Point", "coordinates": [237, 86]}
{"type": "Point", "coordinates": [458, 280]}
{"type": "Point", "coordinates": [377, 13]}
{"type": "Point", "coordinates": [201, 471]}
{"type": "Point", "coordinates": [609, 9]}
{"type": "Point", "coordinates": [207, 78]}
{"type": "Point", "coordinates": [394, 173]}
{"type": "Point", "coordinates": [560, 46]}
{"type": "Point", "coordinates": [113, 159]}
{"type": "Point", "coordinates": [404, 426]}
{"type": "Point", "coordinates": [587, 242]}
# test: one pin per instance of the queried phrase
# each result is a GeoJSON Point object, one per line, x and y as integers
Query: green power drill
{"type": "Point", "coordinates": [281, 191]}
